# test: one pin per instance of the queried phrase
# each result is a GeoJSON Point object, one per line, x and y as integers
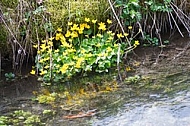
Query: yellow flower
{"type": "Point", "coordinates": [43, 47]}
{"type": "Point", "coordinates": [58, 36]}
{"type": "Point", "coordinates": [89, 55]}
{"type": "Point", "coordinates": [82, 26]}
{"type": "Point", "coordinates": [62, 39]}
{"type": "Point", "coordinates": [42, 72]}
{"type": "Point", "coordinates": [99, 35]}
{"type": "Point", "coordinates": [33, 72]}
{"type": "Point", "coordinates": [78, 64]}
{"type": "Point", "coordinates": [130, 27]}
{"type": "Point", "coordinates": [83, 51]}
{"type": "Point", "coordinates": [70, 23]}
{"type": "Point", "coordinates": [87, 19]}
{"type": "Point", "coordinates": [46, 67]}
{"type": "Point", "coordinates": [38, 51]}
{"type": "Point", "coordinates": [43, 41]}
{"type": "Point", "coordinates": [74, 34]}
{"type": "Point", "coordinates": [79, 61]}
{"type": "Point", "coordinates": [108, 88]}
{"type": "Point", "coordinates": [87, 36]}
{"type": "Point", "coordinates": [71, 50]}
{"type": "Point", "coordinates": [136, 43]}
{"type": "Point", "coordinates": [59, 29]}
{"type": "Point", "coordinates": [50, 43]}
{"type": "Point", "coordinates": [109, 21]}
{"type": "Point", "coordinates": [102, 26]}
{"type": "Point", "coordinates": [70, 40]}
{"type": "Point", "coordinates": [64, 68]}
{"type": "Point", "coordinates": [75, 27]}
{"type": "Point", "coordinates": [98, 45]}
{"type": "Point", "coordinates": [126, 34]}
{"type": "Point", "coordinates": [81, 91]}
{"type": "Point", "coordinates": [51, 38]}
{"type": "Point", "coordinates": [110, 38]}
{"type": "Point", "coordinates": [94, 21]}
{"type": "Point", "coordinates": [109, 32]}
{"type": "Point", "coordinates": [100, 54]}
{"type": "Point", "coordinates": [105, 54]}
{"type": "Point", "coordinates": [128, 68]}
{"type": "Point", "coordinates": [56, 51]}
{"type": "Point", "coordinates": [47, 58]}
{"type": "Point", "coordinates": [120, 36]}
{"type": "Point", "coordinates": [115, 45]}
{"type": "Point", "coordinates": [86, 26]}
{"type": "Point", "coordinates": [35, 46]}
{"type": "Point", "coordinates": [112, 34]}
{"type": "Point", "coordinates": [80, 31]}
{"type": "Point", "coordinates": [109, 49]}
{"type": "Point", "coordinates": [41, 60]}
{"type": "Point", "coordinates": [65, 44]}
{"type": "Point", "coordinates": [68, 34]}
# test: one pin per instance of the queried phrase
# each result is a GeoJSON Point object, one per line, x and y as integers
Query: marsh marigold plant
{"type": "Point", "coordinates": [88, 46]}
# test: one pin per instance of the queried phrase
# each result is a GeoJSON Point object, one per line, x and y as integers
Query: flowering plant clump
{"type": "Point", "coordinates": [84, 47]}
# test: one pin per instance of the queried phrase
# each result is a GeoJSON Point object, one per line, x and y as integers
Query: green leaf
{"type": "Point", "coordinates": [88, 32]}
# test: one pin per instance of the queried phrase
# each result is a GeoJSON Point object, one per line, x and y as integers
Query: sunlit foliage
{"type": "Point", "coordinates": [85, 47]}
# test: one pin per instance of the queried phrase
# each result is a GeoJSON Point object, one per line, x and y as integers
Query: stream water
{"type": "Point", "coordinates": [157, 99]}
{"type": "Point", "coordinates": [159, 112]}
{"type": "Point", "coordinates": [167, 106]}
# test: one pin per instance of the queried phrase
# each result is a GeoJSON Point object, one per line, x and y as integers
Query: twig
{"type": "Point", "coordinates": [186, 27]}
{"type": "Point", "coordinates": [122, 29]}
{"type": "Point", "coordinates": [118, 59]}
{"type": "Point", "coordinates": [15, 40]}
{"type": "Point", "coordinates": [176, 24]}
{"type": "Point", "coordinates": [0, 64]}
{"type": "Point", "coordinates": [180, 10]}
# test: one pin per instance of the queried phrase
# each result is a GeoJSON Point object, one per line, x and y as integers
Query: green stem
{"type": "Point", "coordinates": [94, 30]}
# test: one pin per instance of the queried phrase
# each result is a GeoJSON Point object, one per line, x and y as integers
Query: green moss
{"type": "Point", "coordinates": [9, 3]}
{"type": "Point", "coordinates": [76, 10]}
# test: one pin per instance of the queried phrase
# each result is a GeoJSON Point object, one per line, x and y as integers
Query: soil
{"type": "Point", "coordinates": [173, 57]}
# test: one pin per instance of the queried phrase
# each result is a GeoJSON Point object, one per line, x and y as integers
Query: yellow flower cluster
{"type": "Point", "coordinates": [76, 29]}
{"type": "Point", "coordinates": [64, 68]}
{"type": "Point", "coordinates": [136, 43]}
{"type": "Point", "coordinates": [79, 61]}
{"type": "Point", "coordinates": [80, 48]}
{"type": "Point", "coordinates": [45, 46]}
{"type": "Point", "coordinates": [102, 26]}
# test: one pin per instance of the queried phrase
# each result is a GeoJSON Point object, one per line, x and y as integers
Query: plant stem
{"type": "Point", "coordinates": [118, 59]}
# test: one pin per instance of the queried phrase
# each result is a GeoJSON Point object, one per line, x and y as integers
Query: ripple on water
{"type": "Point", "coordinates": [168, 112]}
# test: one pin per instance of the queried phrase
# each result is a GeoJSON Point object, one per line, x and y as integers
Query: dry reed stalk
{"type": "Point", "coordinates": [118, 21]}
{"type": "Point", "coordinates": [17, 22]}
{"type": "Point", "coordinates": [0, 64]}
